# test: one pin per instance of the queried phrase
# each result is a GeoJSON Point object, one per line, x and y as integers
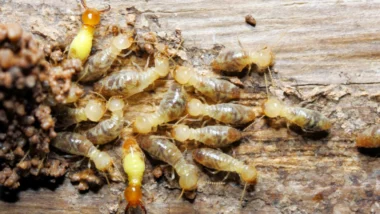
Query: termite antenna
{"type": "Point", "coordinates": [271, 77]}
{"type": "Point", "coordinates": [253, 123]}
{"type": "Point", "coordinates": [250, 65]}
{"type": "Point", "coordinates": [99, 95]}
{"type": "Point", "coordinates": [225, 177]}
{"type": "Point", "coordinates": [108, 182]}
{"type": "Point", "coordinates": [243, 193]}
{"type": "Point", "coordinates": [107, 8]}
{"type": "Point", "coordinates": [266, 85]}
{"type": "Point", "coordinates": [83, 2]}
{"type": "Point", "coordinates": [180, 120]}
{"type": "Point", "coordinates": [180, 196]}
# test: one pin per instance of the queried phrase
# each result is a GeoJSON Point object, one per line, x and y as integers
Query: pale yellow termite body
{"type": "Point", "coordinates": [235, 60]}
{"type": "Point", "coordinates": [77, 144]}
{"type": "Point", "coordinates": [134, 167]}
{"type": "Point", "coordinates": [98, 64]}
{"type": "Point", "coordinates": [228, 113]}
{"type": "Point", "coordinates": [171, 107]}
{"type": "Point", "coordinates": [80, 47]}
{"type": "Point", "coordinates": [369, 138]}
{"type": "Point", "coordinates": [213, 136]}
{"type": "Point", "coordinates": [308, 120]}
{"type": "Point", "coordinates": [216, 159]}
{"type": "Point", "coordinates": [164, 150]}
{"type": "Point", "coordinates": [107, 130]}
{"type": "Point", "coordinates": [131, 82]}
{"type": "Point", "coordinates": [214, 88]}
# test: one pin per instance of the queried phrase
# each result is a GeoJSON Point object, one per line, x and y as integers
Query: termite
{"type": "Point", "coordinates": [235, 60]}
{"type": "Point", "coordinates": [98, 64]}
{"type": "Point", "coordinates": [171, 107]}
{"type": "Point", "coordinates": [109, 129]}
{"type": "Point", "coordinates": [93, 111]}
{"type": "Point", "coordinates": [213, 136]}
{"type": "Point", "coordinates": [308, 120]}
{"type": "Point", "coordinates": [130, 82]}
{"type": "Point", "coordinates": [228, 113]}
{"type": "Point", "coordinates": [80, 47]}
{"type": "Point", "coordinates": [215, 159]}
{"type": "Point", "coordinates": [164, 150]}
{"type": "Point", "coordinates": [134, 167]}
{"type": "Point", "coordinates": [214, 88]}
{"type": "Point", "coordinates": [369, 138]}
{"type": "Point", "coordinates": [77, 144]}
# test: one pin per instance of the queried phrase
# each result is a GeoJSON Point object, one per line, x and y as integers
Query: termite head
{"type": "Point", "coordinates": [263, 58]}
{"type": "Point", "coordinates": [189, 180]}
{"type": "Point", "coordinates": [249, 174]}
{"type": "Point", "coordinates": [181, 133]}
{"type": "Point", "coordinates": [142, 125]}
{"type": "Point", "coordinates": [115, 103]}
{"type": "Point", "coordinates": [272, 107]}
{"type": "Point", "coordinates": [95, 110]}
{"type": "Point", "coordinates": [161, 64]}
{"type": "Point", "coordinates": [194, 107]}
{"type": "Point", "coordinates": [182, 74]}
{"type": "Point", "coordinates": [122, 42]}
{"type": "Point", "coordinates": [133, 195]}
{"type": "Point", "coordinates": [91, 16]}
{"type": "Point", "coordinates": [104, 162]}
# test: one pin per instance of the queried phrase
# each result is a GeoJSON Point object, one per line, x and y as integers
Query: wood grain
{"type": "Point", "coordinates": [327, 54]}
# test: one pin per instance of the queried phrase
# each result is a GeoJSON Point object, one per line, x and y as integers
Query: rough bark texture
{"type": "Point", "coordinates": [327, 55]}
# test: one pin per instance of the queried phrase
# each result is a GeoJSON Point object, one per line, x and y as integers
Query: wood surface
{"type": "Point", "coordinates": [327, 55]}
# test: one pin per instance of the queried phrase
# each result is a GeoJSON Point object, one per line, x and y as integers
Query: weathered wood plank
{"type": "Point", "coordinates": [317, 43]}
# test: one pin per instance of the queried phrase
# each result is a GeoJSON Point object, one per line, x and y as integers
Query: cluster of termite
{"type": "Point", "coordinates": [176, 107]}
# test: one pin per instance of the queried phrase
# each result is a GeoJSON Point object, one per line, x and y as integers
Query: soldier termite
{"type": "Point", "coordinates": [228, 113]}
{"type": "Point", "coordinates": [98, 64]}
{"type": "Point", "coordinates": [164, 150]}
{"type": "Point", "coordinates": [130, 82]}
{"type": "Point", "coordinates": [80, 47]}
{"type": "Point", "coordinates": [77, 144]}
{"type": "Point", "coordinates": [215, 159]}
{"type": "Point", "coordinates": [369, 138]}
{"type": "Point", "coordinates": [109, 129]}
{"type": "Point", "coordinates": [215, 88]}
{"type": "Point", "coordinates": [134, 167]}
{"type": "Point", "coordinates": [171, 107]}
{"type": "Point", "coordinates": [213, 136]}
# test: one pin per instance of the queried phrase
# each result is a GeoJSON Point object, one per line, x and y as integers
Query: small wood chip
{"type": "Point", "coordinates": [250, 20]}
